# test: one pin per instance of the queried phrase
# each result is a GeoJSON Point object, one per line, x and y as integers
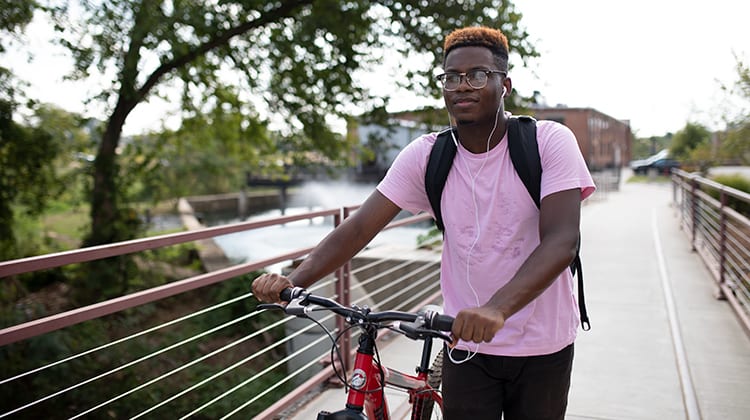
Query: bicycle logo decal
{"type": "Point", "coordinates": [359, 379]}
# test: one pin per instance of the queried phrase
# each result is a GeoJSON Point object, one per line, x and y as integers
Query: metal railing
{"type": "Point", "coordinates": [219, 359]}
{"type": "Point", "coordinates": [719, 234]}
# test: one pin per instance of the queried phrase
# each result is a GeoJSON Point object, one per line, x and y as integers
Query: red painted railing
{"type": "Point", "coordinates": [412, 276]}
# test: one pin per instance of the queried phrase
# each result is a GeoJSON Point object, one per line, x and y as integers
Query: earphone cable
{"type": "Point", "coordinates": [471, 352]}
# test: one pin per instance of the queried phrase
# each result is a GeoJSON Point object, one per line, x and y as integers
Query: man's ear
{"type": "Point", "coordinates": [507, 86]}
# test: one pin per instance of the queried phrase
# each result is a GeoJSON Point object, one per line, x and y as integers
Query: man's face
{"type": "Point", "coordinates": [466, 104]}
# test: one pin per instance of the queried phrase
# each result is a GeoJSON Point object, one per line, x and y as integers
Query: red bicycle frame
{"type": "Point", "coordinates": [366, 394]}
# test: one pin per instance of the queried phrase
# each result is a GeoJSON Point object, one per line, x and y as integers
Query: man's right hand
{"type": "Point", "coordinates": [267, 287]}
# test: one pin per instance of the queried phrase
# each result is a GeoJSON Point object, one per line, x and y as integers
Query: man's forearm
{"type": "Point", "coordinates": [331, 253]}
{"type": "Point", "coordinates": [536, 274]}
{"type": "Point", "coordinates": [346, 240]}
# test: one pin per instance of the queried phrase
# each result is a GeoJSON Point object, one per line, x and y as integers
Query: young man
{"type": "Point", "coordinates": [505, 262]}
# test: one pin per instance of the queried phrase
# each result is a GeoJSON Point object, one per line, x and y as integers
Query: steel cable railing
{"type": "Point", "coordinates": [275, 365]}
{"type": "Point", "coordinates": [286, 339]}
{"type": "Point", "coordinates": [381, 274]}
{"type": "Point", "coordinates": [415, 297]}
{"type": "Point", "coordinates": [228, 369]}
{"type": "Point", "coordinates": [719, 233]}
{"type": "Point", "coordinates": [203, 358]}
{"type": "Point", "coordinates": [405, 289]}
{"type": "Point", "coordinates": [122, 397]}
{"type": "Point", "coordinates": [127, 365]}
{"type": "Point", "coordinates": [127, 338]}
{"type": "Point", "coordinates": [389, 285]}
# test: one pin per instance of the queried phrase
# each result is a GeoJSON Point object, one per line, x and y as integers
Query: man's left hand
{"type": "Point", "coordinates": [477, 324]}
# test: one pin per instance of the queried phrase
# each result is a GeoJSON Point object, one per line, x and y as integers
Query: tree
{"type": "Point", "coordinates": [735, 144]}
{"type": "Point", "coordinates": [644, 147]}
{"type": "Point", "coordinates": [14, 16]}
{"type": "Point", "coordinates": [298, 57]}
{"type": "Point", "coordinates": [688, 139]}
{"type": "Point", "coordinates": [27, 175]}
{"type": "Point", "coordinates": [209, 153]}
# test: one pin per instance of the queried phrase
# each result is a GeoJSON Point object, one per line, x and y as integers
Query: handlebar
{"type": "Point", "coordinates": [420, 325]}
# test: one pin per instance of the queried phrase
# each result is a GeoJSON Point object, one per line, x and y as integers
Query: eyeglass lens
{"type": "Point", "coordinates": [476, 79]}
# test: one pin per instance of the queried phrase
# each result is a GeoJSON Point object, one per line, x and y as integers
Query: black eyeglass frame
{"type": "Point", "coordinates": [465, 76]}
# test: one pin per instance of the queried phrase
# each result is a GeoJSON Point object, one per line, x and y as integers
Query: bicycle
{"type": "Point", "coordinates": [366, 398]}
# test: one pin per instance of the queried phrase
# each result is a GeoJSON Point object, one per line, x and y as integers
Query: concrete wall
{"type": "Point", "coordinates": [243, 203]}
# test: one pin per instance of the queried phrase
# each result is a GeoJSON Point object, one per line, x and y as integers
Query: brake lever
{"type": "Point", "coordinates": [414, 331]}
{"type": "Point", "coordinates": [297, 307]}
{"type": "Point", "coordinates": [270, 306]}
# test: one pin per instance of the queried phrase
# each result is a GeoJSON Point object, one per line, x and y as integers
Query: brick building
{"type": "Point", "coordinates": [605, 142]}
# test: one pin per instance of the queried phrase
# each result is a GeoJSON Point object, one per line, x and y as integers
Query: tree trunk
{"type": "Point", "coordinates": [105, 224]}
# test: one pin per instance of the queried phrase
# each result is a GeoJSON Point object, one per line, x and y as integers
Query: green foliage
{"type": "Point", "coordinates": [644, 147]}
{"type": "Point", "coordinates": [688, 139]}
{"type": "Point", "coordinates": [210, 153]}
{"type": "Point", "coordinates": [299, 60]}
{"type": "Point", "coordinates": [28, 178]}
{"type": "Point", "coordinates": [737, 182]}
{"type": "Point", "coordinates": [735, 143]}
{"type": "Point", "coordinates": [14, 16]}
{"type": "Point", "coordinates": [431, 238]}
{"type": "Point", "coordinates": [39, 164]}
{"type": "Point", "coordinates": [29, 354]}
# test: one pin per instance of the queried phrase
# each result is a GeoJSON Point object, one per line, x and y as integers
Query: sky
{"type": "Point", "coordinates": [658, 64]}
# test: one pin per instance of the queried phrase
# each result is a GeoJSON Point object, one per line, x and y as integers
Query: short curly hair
{"type": "Point", "coordinates": [479, 36]}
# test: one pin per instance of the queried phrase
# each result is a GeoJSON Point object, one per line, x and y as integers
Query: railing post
{"type": "Point", "coordinates": [722, 243]}
{"type": "Point", "coordinates": [693, 210]}
{"type": "Point", "coordinates": [344, 298]}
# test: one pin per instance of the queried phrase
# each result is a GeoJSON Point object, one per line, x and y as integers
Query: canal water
{"type": "Point", "coordinates": [274, 240]}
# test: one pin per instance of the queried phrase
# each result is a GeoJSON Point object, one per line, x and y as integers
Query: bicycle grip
{"type": "Point", "coordinates": [442, 322]}
{"type": "Point", "coordinates": [290, 293]}
{"type": "Point", "coordinates": [286, 294]}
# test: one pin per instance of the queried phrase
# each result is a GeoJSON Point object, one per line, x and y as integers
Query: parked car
{"type": "Point", "coordinates": [662, 166]}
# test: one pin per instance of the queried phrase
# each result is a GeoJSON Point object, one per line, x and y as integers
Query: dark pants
{"type": "Point", "coordinates": [486, 387]}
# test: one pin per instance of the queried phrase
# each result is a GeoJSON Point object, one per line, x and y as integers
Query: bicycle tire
{"type": "Point", "coordinates": [422, 408]}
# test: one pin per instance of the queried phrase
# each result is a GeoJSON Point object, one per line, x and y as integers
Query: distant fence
{"type": "Point", "coordinates": [719, 233]}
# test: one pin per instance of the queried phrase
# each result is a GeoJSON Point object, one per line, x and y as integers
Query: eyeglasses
{"type": "Point", "coordinates": [476, 79]}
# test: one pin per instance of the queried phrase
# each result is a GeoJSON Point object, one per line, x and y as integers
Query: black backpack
{"type": "Point", "coordinates": [524, 153]}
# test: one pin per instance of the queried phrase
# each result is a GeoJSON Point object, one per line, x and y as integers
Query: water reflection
{"type": "Point", "coordinates": [274, 240]}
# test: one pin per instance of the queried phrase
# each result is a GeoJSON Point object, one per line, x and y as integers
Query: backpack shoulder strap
{"type": "Point", "coordinates": [524, 153]}
{"type": "Point", "coordinates": [577, 268]}
{"type": "Point", "coordinates": [438, 167]}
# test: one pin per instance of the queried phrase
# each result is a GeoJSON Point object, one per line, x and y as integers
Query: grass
{"type": "Point", "coordinates": [646, 178]}
{"type": "Point", "coordinates": [69, 225]}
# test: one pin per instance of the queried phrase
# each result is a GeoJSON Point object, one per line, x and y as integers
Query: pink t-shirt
{"type": "Point", "coordinates": [491, 227]}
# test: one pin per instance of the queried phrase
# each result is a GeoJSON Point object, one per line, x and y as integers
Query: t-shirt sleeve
{"type": "Point", "coordinates": [563, 165]}
{"type": "Point", "coordinates": [403, 184]}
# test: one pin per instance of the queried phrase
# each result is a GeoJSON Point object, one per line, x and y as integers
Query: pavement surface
{"type": "Point", "coordinates": [661, 346]}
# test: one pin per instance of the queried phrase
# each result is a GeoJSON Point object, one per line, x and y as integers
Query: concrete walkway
{"type": "Point", "coordinates": [661, 347]}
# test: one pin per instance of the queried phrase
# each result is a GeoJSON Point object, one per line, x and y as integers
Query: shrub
{"type": "Point", "coordinates": [737, 182]}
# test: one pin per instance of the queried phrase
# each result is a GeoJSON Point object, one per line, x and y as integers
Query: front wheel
{"type": "Point", "coordinates": [423, 406]}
